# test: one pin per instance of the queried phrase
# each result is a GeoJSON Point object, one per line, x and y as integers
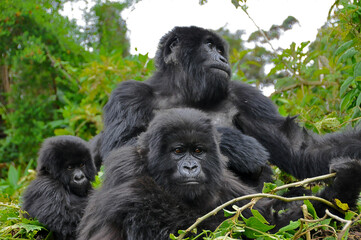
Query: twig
{"type": "Point", "coordinates": [344, 229]}
{"type": "Point", "coordinates": [9, 205]}
{"type": "Point", "coordinates": [305, 214]}
{"type": "Point", "coordinates": [304, 181]}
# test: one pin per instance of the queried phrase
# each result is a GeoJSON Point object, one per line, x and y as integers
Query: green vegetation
{"type": "Point", "coordinates": [55, 78]}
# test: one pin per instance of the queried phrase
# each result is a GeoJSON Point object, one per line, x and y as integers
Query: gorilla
{"type": "Point", "coordinates": [175, 173]}
{"type": "Point", "coordinates": [59, 194]}
{"type": "Point", "coordinates": [193, 71]}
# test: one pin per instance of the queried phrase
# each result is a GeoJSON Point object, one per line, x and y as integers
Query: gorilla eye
{"type": "Point", "coordinates": [198, 150]}
{"type": "Point", "coordinates": [70, 167]}
{"type": "Point", "coordinates": [209, 44]}
{"type": "Point", "coordinates": [81, 165]}
{"type": "Point", "coordinates": [178, 150]}
{"type": "Point", "coordinates": [174, 43]}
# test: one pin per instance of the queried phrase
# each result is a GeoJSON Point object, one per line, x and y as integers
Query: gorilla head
{"type": "Point", "coordinates": [67, 159]}
{"type": "Point", "coordinates": [59, 194]}
{"type": "Point", "coordinates": [196, 62]}
{"type": "Point", "coordinates": [183, 156]}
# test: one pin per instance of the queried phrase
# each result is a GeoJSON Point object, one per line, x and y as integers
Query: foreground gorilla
{"type": "Point", "coordinates": [193, 71]}
{"type": "Point", "coordinates": [175, 174]}
{"type": "Point", "coordinates": [59, 194]}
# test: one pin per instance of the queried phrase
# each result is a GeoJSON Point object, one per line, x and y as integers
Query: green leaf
{"type": "Point", "coordinates": [347, 100]}
{"type": "Point", "coordinates": [345, 85]}
{"type": "Point", "coordinates": [228, 213]}
{"type": "Point", "coordinates": [292, 226]}
{"type": "Point", "coordinates": [268, 187]}
{"type": "Point", "coordinates": [357, 70]}
{"type": "Point", "coordinates": [13, 176]}
{"type": "Point", "coordinates": [255, 223]}
{"type": "Point", "coordinates": [358, 101]}
{"type": "Point", "coordinates": [343, 47]}
{"type": "Point", "coordinates": [259, 216]}
{"type": "Point", "coordinates": [348, 54]}
{"type": "Point", "coordinates": [311, 209]}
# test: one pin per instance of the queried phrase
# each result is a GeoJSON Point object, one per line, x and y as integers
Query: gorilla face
{"type": "Point", "coordinates": [67, 159]}
{"type": "Point", "coordinates": [76, 173]}
{"type": "Point", "coordinates": [183, 156]}
{"type": "Point", "coordinates": [200, 60]}
{"type": "Point", "coordinates": [79, 184]}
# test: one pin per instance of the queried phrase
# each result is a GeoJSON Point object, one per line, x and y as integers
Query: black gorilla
{"type": "Point", "coordinates": [59, 194]}
{"type": "Point", "coordinates": [193, 71]}
{"type": "Point", "coordinates": [174, 174]}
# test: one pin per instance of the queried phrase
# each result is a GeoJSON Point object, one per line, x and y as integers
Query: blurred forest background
{"type": "Point", "coordinates": [55, 78]}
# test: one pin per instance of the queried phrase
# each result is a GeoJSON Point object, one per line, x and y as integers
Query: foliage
{"type": "Point", "coordinates": [322, 84]}
{"type": "Point", "coordinates": [14, 226]}
{"type": "Point", "coordinates": [106, 30]}
{"type": "Point", "coordinates": [236, 226]}
{"type": "Point", "coordinates": [37, 53]}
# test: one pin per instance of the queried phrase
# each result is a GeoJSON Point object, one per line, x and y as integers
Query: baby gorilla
{"type": "Point", "coordinates": [59, 194]}
{"type": "Point", "coordinates": [176, 174]}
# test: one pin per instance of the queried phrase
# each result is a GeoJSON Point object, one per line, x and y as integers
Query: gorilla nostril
{"type": "Point", "coordinates": [223, 59]}
{"type": "Point", "coordinates": [190, 168]}
{"type": "Point", "coordinates": [79, 177]}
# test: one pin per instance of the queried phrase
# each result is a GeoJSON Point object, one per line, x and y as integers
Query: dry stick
{"type": "Point", "coordinates": [265, 195]}
{"type": "Point", "coordinates": [9, 205]}
{"type": "Point", "coordinates": [344, 229]}
{"type": "Point", "coordinates": [305, 213]}
{"type": "Point", "coordinates": [304, 181]}
{"type": "Point", "coordinates": [298, 235]}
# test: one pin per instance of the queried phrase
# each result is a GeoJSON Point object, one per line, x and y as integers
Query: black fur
{"type": "Point", "coordinates": [193, 71]}
{"type": "Point", "coordinates": [144, 196]}
{"type": "Point", "coordinates": [59, 194]}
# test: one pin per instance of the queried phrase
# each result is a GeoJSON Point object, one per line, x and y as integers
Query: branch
{"type": "Point", "coordinates": [265, 195]}
{"type": "Point", "coordinates": [251, 196]}
{"type": "Point", "coordinates": [304, 182]}
{"type": "Point", "coordinates": [344, 229]}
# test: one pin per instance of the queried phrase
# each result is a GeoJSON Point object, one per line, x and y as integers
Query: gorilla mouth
{"type": "Point", "coordinates": [190, 182]}
{"type": "Point", "coordinates": [222, 68]}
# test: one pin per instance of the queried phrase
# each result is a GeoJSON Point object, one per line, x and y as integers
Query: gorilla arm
{"type": "Point", "coordinates": [291, 147]}
{"type": "Point", "coordinates": [126, 115]}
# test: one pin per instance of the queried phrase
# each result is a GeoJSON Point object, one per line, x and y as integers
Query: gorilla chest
{"type": "Point", "coordinates": [223, 117]}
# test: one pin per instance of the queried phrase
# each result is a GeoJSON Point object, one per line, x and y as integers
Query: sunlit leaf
{"type": "Point", "coordinates": [343, 206]}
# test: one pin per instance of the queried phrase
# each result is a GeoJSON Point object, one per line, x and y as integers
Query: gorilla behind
{"type": "Point", "coordinates": [59, 194]}
{"type": "Point", "coordinates": [176, 173]}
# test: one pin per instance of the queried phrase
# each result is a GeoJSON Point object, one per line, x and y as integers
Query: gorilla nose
{"type": "Point", "coordinates": [222, 59]}
{"type": "Point", "coordinates": [190, 169]}
{"type": "Point", "coordinates": [79, 177]}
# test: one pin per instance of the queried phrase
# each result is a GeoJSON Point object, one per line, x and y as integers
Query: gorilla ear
{"type": "Point", "coordinates": [171, 49]}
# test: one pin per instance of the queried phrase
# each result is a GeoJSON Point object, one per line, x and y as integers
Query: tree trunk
{"type": "Point", "coordinates": [4, 88]}
{"type": "Point", "coordinates": [5, 83]}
